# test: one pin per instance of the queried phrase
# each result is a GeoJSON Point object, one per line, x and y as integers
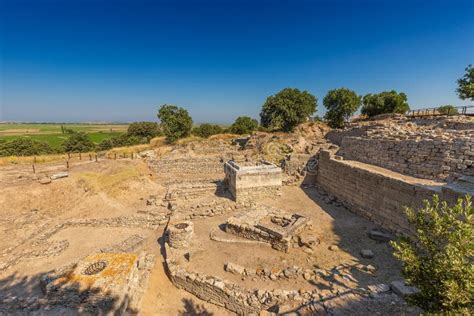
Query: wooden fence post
{"type": "Point", "coordinates": [34, 170]}
{"type": "Point", "coordinates": [95, 157]}
{"type": "Point", "coordinates": [67, 164]}
{"type": "Point", "coordinates": [80, 156]}
{"type": "Point", "coordinates": [34, 159]}
{"type": "Point", "coordinates": [68, 156]}
{"type": "Point", "coordinates": [115, 156]}
{"type": "Point", "coordinates": [90, 157]}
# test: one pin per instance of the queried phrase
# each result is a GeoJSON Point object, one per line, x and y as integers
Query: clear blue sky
{"type": "Point", "coordinates": [119, 60]}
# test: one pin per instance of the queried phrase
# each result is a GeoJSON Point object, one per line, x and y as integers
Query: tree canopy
{"type": "Point", "coordinates": [144, 129]}
{"type": "Point", "coordinates": [340, 104]}
{"type": "Point", "coordinates": [384, 102]}
{"type": "Point", "coordinates": [288, 108]}
{"type": "Point", "coordinates": [465, 88]}
{"type": "Point", "coordinates": [176, 123]}
{"type": "Point", "coordinates": [205, 130]}
{"type": "Point", "coordinates": [24, 147]}
{"type": "Point", "coordinates": [244, 125]}
{"type": "Point", "coordinates": [78, 142]}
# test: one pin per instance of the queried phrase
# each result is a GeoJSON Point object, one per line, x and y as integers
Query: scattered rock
{"type": "Point", "coordinates": [234, 268]}
{"type": "Point", "coordinates": [402, 289]}
{"type": "Point", "coordinates": [333, 247]}
{"type": "Point", "coordinates": [59, 175]}
{"type": "Point", "coordinates": [45, 180]}
{"type": "Point", "coordinates": [367, 253]}
{"type": "Point", "coordinates": [380, 236]}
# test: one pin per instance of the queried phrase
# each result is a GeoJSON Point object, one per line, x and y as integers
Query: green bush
{"type": "Point", "coordinates": [340, 104]}
{"type": "Point", "coordinates": [121, 141]}
{"type": "Point", "coordinates": [384, 102]}
{"type": "Point", "coordinates": [205, 130]}
{"type": "Point", "coordinates": [24, 147]}
{"type": "Point", "coordinates": [448, 110]}
{"type": "Point", "coordinates": [175, 122]}
{"type": "Point", "coordinates": [78, 142]}
{"type": "Point", "coordinates": [243, 125]}
{"type": "Point", "coordinates": [144, 129]}
{"type": "Point", "coordinates": [288, 108]}
{"type": "Point", "coordinates": [438, 259]}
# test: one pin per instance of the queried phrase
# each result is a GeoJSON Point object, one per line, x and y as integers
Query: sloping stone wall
{"type": "Point", "coordinates": [378, 197]}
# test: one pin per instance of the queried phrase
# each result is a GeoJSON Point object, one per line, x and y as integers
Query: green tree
{"type": "Point", "coordinates": [384, 102]}
{"type": "Point", "coordinates": [288, 108]}
{"type": "Point", "coordinates": [24, 146]}
{"type": "Point", "coordinates": [340, 104]}
{"type": "Point", "coordinates": [438, 259]}
{"type": "Point", "coordinates": [78, 142]}
{"type": "Point", "coordinates": [144, 129]}
{"type": "Point", "coordinates": [205, 130]}
{"type": "Point", "coordinates": [175, 122]}
{"type": "Point", "coordinates": [465, 88]}
{"type": "Point", "coordinates": [243, 125]}
{"type": "Point", "coordinates": [448, 110]}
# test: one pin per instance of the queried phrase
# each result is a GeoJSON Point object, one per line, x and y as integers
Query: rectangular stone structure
{"type": "Point", "coordinates": [257, 180]}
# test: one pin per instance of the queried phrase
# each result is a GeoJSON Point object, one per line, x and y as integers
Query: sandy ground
{"type": "Point", "coordinates": [92, 190]}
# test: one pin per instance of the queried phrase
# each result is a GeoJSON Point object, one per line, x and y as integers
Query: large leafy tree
{"type": "Point", "coordinates": [340, 104]}
{"type": "Point", "coordinates": [244, 125]}
{"type": "Point", "coordinates": [384, 102]}
{"type": "Point", "coordinates": [288, 108]}
{"type": "Point", "coordinates": [176, 122]}
{"type": "Point", "coordinates": [438, 258]}
{"type": "Point", "coordinates": [465, 88]}
{"type": "Point", "coordinates": [24, 147]}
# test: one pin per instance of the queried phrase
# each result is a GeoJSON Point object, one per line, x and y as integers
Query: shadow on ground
{"type": "Point", "coordinates": [19, 294]}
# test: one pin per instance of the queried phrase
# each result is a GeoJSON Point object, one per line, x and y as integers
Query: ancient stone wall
{"type": "Point", "coordinates": [432, 158]}
{"type": "Point", "coordinates": [378, 197]}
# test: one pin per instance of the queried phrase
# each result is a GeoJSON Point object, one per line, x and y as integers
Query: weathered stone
{"type": "Point", "coordinates": [402, 289]}
{"type": "Point", "coordinates": [59, 175]}
{"type": "Point", "coordinates": [380, 236]}
{"type": "Point", "coordinates": [234, 268]}
{"type": "Point", "coordinates": [367, 253]}
{"type": "Point", "coordinates": [45, 180]}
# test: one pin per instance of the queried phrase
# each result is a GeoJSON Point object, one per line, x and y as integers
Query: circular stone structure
{"type": "Point", "coordinates": [95, 268]}
{"type": "Point", "coordinates": [180, 234]}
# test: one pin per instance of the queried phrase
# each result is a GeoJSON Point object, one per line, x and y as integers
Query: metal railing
{"type": "Point", "coordinates": [457, 110]}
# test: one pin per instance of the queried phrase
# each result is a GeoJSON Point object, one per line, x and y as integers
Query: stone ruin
{"type": "Point", "coordinates": [248, 181]}
{"type": "Point", "coordinates": [115, 281]}
{"type": "Point", "coordinates": [272, 226]}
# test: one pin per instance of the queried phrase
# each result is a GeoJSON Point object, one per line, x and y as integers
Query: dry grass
{"type": "Point", "coordinates": [43, 158]}
{"type": "Point", "coordinates": [112, 183]}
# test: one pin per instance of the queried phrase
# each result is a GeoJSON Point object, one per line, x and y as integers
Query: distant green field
{"type": "Point", "coordinates": [52, 134]}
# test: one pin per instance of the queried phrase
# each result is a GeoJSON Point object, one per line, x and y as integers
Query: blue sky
{"type": "Point", "coordinates": [118, 60]}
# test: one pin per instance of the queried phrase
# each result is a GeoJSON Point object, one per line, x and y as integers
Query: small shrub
{"type": "Point", "coordinates": [78, 142]}
{"type": "Point", "coordinates": [438, 259]}
{"type": "Point", "coordinates": [243, 125]}
{"type": "Point", "coordinates": [24, 147]}
{"type": "Point", "coordinates": [205, 130]}
{"type": "Point", "coordinates": [448, 110]}
{"type": "Point", "coordinates": [123, 140]}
